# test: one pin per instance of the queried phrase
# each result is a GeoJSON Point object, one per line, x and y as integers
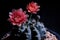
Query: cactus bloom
{"type": "Point", "coordinates": [17, 17]}
{"type": "Point", "coordinates": [33, 7]}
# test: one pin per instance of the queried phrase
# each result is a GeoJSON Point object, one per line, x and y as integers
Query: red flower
{"type": "Point", "coordinates": [17, 17]}
{"type": "Point", "coordinates": [33, 7]}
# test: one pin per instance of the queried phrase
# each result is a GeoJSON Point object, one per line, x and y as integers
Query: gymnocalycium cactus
{"type": "Point", "coordinates": [28, 29]}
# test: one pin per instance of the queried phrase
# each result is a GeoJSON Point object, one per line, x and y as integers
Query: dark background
{"type": "Point", "coordinates": [49, 13]}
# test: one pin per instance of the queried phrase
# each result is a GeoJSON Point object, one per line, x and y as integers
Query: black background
{"type": "Point", "coordinates": [49, 13]}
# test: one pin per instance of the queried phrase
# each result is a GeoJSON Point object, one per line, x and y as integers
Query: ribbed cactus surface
{"type": "Point", "coordinates": [34, 30]}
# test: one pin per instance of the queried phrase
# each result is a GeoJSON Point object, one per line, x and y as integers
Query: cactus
{"type": "Point", "coordinates": [28, 28]}
{"type": "Point", "coordinates": [34, 31]}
